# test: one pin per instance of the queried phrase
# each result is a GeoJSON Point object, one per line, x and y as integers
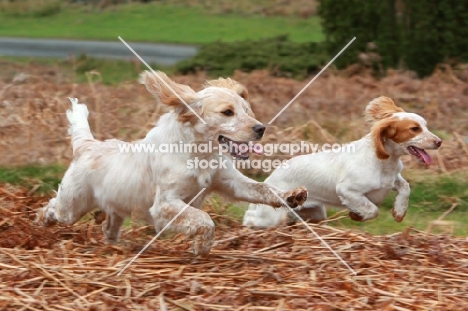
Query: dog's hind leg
{"type": "Point", "coordinates": [314, 212]}
{"type": "Point", "coordinates": [47, 216]}
{"type": "Point", "coordinates": [111, 226]}
{"type": "Point", "coordinates": [73, 201]}
{"type": "Point", "coordinates": [192, 221]}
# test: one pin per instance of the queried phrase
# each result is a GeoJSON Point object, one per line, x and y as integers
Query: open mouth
{"type": "Point", "coordinates": [239, 149]}
{"type": "Point", "coordinates": [420, 154]}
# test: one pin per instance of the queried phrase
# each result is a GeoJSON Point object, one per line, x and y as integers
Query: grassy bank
{"type": "Point", "coordinates": [40, 179]}
{"type": "Point", "coordinates": [156, 22]}
{"type": "Point", "coordinates": [431, 196]}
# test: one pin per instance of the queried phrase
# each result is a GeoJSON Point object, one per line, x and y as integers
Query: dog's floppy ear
{"type": "Point", "coordinates": [230, 84]}
{"type": "Point", "coordinates": [165, 90]}
{"type": "Point", "coordinates": [380, 108]}
{"type": "Point", "coordinates": [381, 131]}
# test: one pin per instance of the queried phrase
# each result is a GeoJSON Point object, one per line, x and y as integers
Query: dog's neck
{"type": "Point", "coordinates": [393, 149]}
{"type": "Point", "coordinates": [169, 130]}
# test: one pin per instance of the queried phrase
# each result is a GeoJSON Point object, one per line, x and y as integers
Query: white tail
{"type": "Point", "coordinates": [79, 126]}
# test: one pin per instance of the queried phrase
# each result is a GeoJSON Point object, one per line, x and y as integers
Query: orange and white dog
{"type": "Point", "coordinates": [358, 180]}
{"type": "Point", "coordinates": [157, 186]}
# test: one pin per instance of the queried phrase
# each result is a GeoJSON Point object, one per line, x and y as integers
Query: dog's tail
{"type": "Point", "coordinates": [79, 127]}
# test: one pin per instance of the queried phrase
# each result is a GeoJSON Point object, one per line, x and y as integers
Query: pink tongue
{"type": "Point", "coordinates": [426, 158]}
{"type": "Point", "coordinates": [245, 149]}
{"type": "Point", "coordinates": [258, 149]}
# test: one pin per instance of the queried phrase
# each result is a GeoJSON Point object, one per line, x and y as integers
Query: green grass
{"type": "Point", "coordinates": [415, 218]}
{"type": "Point", "coordinates": [156, 22]}
{"type": "Point", "coordinates": [47, 177]}
{"type": "Point", "coordinates": [431, 196]}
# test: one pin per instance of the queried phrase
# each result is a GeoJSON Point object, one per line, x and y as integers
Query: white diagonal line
{"type": "Point", "coordinates": [164, 82]}
{"type": "Point", "coordinates": [315, 233]}
{"type": "Point", "coordinates": [311, 81]}
{"type": "Point", "coordinates": [160, 232]}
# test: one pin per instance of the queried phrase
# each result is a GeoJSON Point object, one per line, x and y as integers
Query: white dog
{"type": "Point", "coordinates": [156, 186]}
{"type": "Point", "coordinates": [358, 180]}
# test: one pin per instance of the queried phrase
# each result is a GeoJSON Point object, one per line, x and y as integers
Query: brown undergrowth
{"type": "Point", "coordinates": [70, 268]}
{"type": "Point", "coordinates": [33, 100]}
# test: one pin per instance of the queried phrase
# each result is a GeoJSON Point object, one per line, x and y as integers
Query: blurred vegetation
{"type": "Point", "coordinates": [299, 8]}
{"type": "Point", "coordinates": [35, 8]}
{"type": "Point", "coordinates": [110, 72]}
{"type": "Point", "coordinates": [279, 55]}
{"type": "Point", "coordinates": [79, 69]}
{"type": "Point", "coordinates": [416, 35]}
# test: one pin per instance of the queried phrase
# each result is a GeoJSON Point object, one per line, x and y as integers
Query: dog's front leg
{"type": "Point", "coordinates": [361, 208]}
{"type": "Point", "coordinates": [400, 206]}
{"type": "Point", "coordinates": [233, 184]}
{"type": "Point", "coordinates": [192, 221]}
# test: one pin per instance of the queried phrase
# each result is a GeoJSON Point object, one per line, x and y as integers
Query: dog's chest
{"type": "Point", "coordinates": [204, 178]}
{"type": "Point", "coordinates": [197, 179]}
{"type": "Point", "coordinates": [385, 186]}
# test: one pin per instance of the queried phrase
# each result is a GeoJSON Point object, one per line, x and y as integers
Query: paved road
{"type": "Point", "coordinates": [163, 54]}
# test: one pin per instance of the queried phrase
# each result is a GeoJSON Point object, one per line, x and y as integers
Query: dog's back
{"type": "Point", "coordinates": [319, 173]}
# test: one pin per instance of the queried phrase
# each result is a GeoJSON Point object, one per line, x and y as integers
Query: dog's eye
{"type": "Point", "coordinates": [415, 128]}
{"type": "Point", "coordinates": [228, 113]}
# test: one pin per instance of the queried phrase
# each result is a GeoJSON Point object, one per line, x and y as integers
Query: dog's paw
{"type": "Point", "coordinates": [203, 241]}
{"type": "Point", "coordinates": [355, 216]}
{"type": "Point", "coordinates": [364, 215]}
{"type": "Point", "coordinates": [296, 197]}
{"type": "Point", "coordinates": [99, 217]}
{"type": "Point", "coordinates": [44, 219]}
{"type": "Point", "coordinates": [398, 217]}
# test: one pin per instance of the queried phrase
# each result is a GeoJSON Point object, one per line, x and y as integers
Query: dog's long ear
{"type": "Point", "coordinates": [166, 91]}
{"type": "Point", "coordinates": [380, 108]}
{"type": "Point", "coordinates": [380, 132]}
{"type": "Point", "coordinates": [230, 84]}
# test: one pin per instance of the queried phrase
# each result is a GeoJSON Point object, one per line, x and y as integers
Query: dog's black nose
{"type": "Point", "coordinates": [259, 129]}
{"type": "Point", "coordinates": [438, 143]}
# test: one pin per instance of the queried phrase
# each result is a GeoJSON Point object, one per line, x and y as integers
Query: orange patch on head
{"type": "Point", "coordinates": [381, 108]}
{"type": "Point", "coordinates": [405, 130]}
{"type": "Point", "coordinates": [186, 115]}
{"type": "Point", "coordinates": [230, 84]}
{"type": "Point", "coordinates": [226, 107]}
{"type": "Point", "coordinates": [397, 130]}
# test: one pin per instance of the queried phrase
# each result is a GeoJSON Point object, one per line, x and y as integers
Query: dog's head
{"type": "Point", "coordinates": [407, 131]}
{"type": "Point", "coordinates": [219, 112]}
